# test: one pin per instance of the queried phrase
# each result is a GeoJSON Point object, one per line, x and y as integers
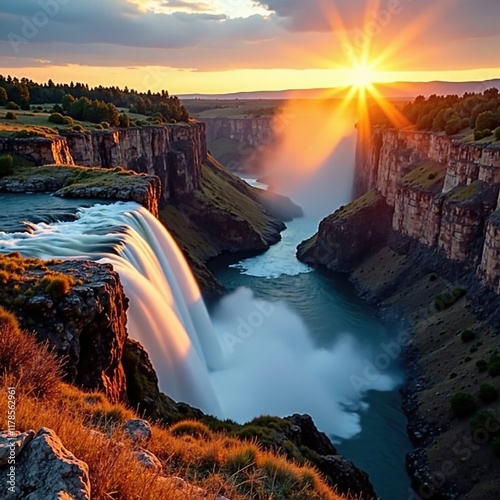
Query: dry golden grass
{"type": "Point", "coordinates": [90, 427]}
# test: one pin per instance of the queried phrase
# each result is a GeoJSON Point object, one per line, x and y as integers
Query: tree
{"type": "Point", "coordinates": [487, 120]}
{"type": "Point", "coordinates": [124, 121]}
{"type": "Point", "coordinates": [3, 97]}
{"type": "Point", "coordinates": [67, 101]}
{"type": "Point", "coordinates": [453, 125]}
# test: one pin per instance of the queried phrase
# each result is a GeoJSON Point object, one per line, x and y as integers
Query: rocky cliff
{"type": "Point", "coordinates": [238, 142]}
{"type": "Point", "coordinates": [86, 324]}
{"type": "Point", "coordinates": [423, 243]}
{"type": "Point", "coordinates": [174, 153]}
{"type": "Point", "coordinates": [442, 193]}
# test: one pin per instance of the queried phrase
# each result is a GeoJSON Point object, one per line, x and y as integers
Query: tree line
{"type": "Point", "coordinates": [452, 114]}
{"type": "Point", "coordinates": [93, 104]}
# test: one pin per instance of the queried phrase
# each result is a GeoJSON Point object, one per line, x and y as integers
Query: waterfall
{"type": "Point", "coordinates": [166, 311]}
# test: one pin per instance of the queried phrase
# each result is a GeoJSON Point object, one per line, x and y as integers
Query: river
{"type": "Point", "coordinates": [333, 313]}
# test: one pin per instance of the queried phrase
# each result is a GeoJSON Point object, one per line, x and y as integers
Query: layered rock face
{"type": "Point", "coordinates": [174, 153]}
{"type": "Point", "coordinates": [41, 151]}
{"type": "Point", "coordinates": [238, 142]}
{"type": "Point", "coordinates": [252, 131]}
{"type": "Point", "coordinates": [87, 325]}
{"type": "Point", "coordinates": [441, 191]}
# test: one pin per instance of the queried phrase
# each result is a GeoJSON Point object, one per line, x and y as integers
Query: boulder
{"type": "Point", "coordinates": [137, 430]}
{"type": "Point", "coordinates": [45, 469]}
{"type": "Point", "coordinates": [12, 444]}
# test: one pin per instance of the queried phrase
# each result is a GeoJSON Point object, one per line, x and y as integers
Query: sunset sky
{"type": "Point", "coordinates": [215, 46]}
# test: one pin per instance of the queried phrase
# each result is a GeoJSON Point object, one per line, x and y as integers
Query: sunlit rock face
{"type": "Point", "coordinates": [174, 153]}
{"type": "Point", "coordinates": [444, 194]}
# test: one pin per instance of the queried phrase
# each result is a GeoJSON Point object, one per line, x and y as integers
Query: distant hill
{"type": "Point", "coordinates": [399, 90]}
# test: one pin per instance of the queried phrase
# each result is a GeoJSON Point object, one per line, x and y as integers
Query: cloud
{"type": "Point", "coordinates": [186, 5]}
{"type": "Point", "coordinates": [457, 18]}
{"type": "Point", "coordinates": [295, 34]}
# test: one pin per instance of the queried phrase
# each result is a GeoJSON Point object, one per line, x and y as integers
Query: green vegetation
{"type": "Point", "coordinates": [494, 365]}
{"type": "Point", "coordinates": [482, 365]}
{"type": "Point", "coordinates": [487, 393]}
{"type": "Point", "coordinates": [463, 404]}
{"type": "Point", "coordinates": [12, 106]}
{"type": "Point", "coordinates": [233, 108]}
{"type": "Point", "coordinates": [447, 299]}
{"type": "Point", "coordinates": [426, 177]}
{"type": "Point", "coordinates": [18, 285]}
{"type": "Point", "coordinates": [464, 193]}
{"type": "Point", "coordinates": [467, 336]}
{"type": "Point", "coordinates": [367, 200]}
{"type": "Point", "coordinates": [452, 114]}
{"type": "Point", "coordinates": [92, 104]}
{"type": "Point", "coordinates": [6, 165]}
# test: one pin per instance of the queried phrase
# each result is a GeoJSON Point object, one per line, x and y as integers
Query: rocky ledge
{"type": "Point", "coordinates": [79, 182]}
{"type": "Point", "coordinates": [86, 325]}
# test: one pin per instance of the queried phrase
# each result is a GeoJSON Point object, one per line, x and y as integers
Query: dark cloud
{"type": "Point", "coordinates": [457, 18]}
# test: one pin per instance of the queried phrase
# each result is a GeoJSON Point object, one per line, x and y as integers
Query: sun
{"type": "Point", "coordinates": [362, 76]}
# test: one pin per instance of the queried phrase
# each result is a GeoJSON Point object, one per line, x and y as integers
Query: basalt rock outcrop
{"type": "Point", "coordinates": [441, 193]}
{"type": "Point", "coordinates": [433, 203]}
{"type": "Point", "coordinates": [86, 326]}
{"type": "Point", "coordinates": [44, 468]}
{"type": "Point", "coordinates": [238, 142]}
{"type": "Point", "coordinates": [174, 153]}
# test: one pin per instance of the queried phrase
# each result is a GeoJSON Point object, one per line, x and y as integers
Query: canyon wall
{"type": "Point", "coordinates": [252, 131]}
{"type": "Point", "coordinates": [443, 194]}
{"type": "Point", "coordinates": [238, 142]}
{"type": "Point", "coordinates": [174, 153]}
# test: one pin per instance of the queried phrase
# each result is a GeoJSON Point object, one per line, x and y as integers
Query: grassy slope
{"type": "Point", "coordinates": [74, 176]}
{"type": "Point", "coordinates": [222, 195]}
{"type": "Point", "coordinates": [449, 364]}
{"type": "Point", "coordinates": [90, 427]}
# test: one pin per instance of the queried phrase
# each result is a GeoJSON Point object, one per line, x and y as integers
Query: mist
{"type": "Point", "coordinates": [312, 160]}
{"type": "Point", "coordinates": [273, 367]}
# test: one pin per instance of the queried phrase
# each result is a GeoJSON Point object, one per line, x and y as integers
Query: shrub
{"type": "Point", "coordinates": [486, 419]}
{"type": "Point", "coordinates": [433, 277]}
{"type": "Point", "coordinates": [29, 366]}
{"type": "Point", "coordinates": [487, 393]}
{"type": "Point", "coordinates": [10, 116]}
{"type": "Point", "coordinates": [78, 128]}
{"type": "Point", "coordinates": [494, 368]}
{"type": "Point", "coordinates": [497, 134]}
{"type": "Point", "coordinates": [57, 284]}
{"type": "Point", "coordinates": [242, 458]}
{"type": "Point", "coordinates": [467, 336]}
{"type": "Point", "coordinates": [12, 106]}
{"type": "Point", "coordinates": [191, 428]}
{"type": "Point", "coordinates": [124, 121]}
{"type": "Point", "coordinates": [57, 118]}
{"type": "Point", "coordinates": [104, 124]}
{"type": "Point", "coordinates": [447, 299]}
{"type": "Point", "coordinates": [6, 165]}
{"type": "Point", "coordinates": [463, 404]}
{"type": "Point", "coordinates": [487, 133]}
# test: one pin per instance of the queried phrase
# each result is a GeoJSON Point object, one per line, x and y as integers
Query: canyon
{"type": "Point", "coordinates": [424, 228]}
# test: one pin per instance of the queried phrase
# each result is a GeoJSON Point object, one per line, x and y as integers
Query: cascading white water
{"type": "Point", "coordinates": [166, 311]}
{"type": "Point", "coordinates": [257, 357]}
